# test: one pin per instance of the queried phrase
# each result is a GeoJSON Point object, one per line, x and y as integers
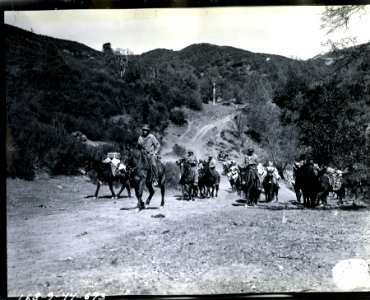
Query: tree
{"type": "Point", "coordinates": [118, 59]}
{"type": "Point", "coordinates": [337, 18]}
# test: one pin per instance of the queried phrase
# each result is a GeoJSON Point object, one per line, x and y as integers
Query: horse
{"type": "Point", "coordinates": [249, 185]}
{"type": "Point", "coordinates": [103, 172]}
{"type": "Point", "coordinates": [270, 187]}
{"type": "Point", "coordinates": [211, 179]}
{"type": "Point", "coordinates": [140, 173]}
{"type": "Point", "coordinates": [314, 184]}
{"type": "Point", "coordinates": [187, 179]}
{"type": "Point", "coordinates": [233, 176]}
{"type": "Point", "coordinates": [300, 184]}
{"type": "Point", "coordinates": [201, 180]}
{"type": "Point", "coordinates": [324, 187]}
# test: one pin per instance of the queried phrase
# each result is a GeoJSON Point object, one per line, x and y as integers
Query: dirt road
{"type": "Point", "coordinates": [61, 240]}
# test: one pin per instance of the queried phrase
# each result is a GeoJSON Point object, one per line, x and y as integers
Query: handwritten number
{"type": "Point", "coordinates": [37, 296]}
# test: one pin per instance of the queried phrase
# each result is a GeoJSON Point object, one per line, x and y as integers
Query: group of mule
{"type": "Point", "coordinates": [313, 185]}
{"type": "Point", "coordinates": [242, 179]}
{"type": "Point", "coordinates": [208, 180]}
{"type": "Point", "coordinates": [245, 183]}
{"type": "Point", "coordinates": [310, 184]}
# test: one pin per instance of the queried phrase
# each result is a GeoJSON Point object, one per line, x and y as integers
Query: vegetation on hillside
{"type": "Point", "coordinates": [56, 87]}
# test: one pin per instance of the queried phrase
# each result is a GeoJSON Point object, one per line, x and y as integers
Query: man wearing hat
{"type": "Point", "coordinates": [193, 162]}
{"type": "Point", "coordinates": [251, 161]}
{"type": "Point", "coordinates": [150, 144]}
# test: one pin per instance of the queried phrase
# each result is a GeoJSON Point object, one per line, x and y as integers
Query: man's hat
{"type": "Point", "coordinates": [145, 127]}
{"type": "Point", "coordinates": [250, 150]}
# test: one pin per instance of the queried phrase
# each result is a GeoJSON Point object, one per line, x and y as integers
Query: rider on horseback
{"type": "Point", "coordinates": [149, 143]}
{"type": "Point", "coordinates": [212, 165]}
{"type": "Point", "coordinates": [193, 162]}
{"type": "Point", "coordinates": [251, 161]}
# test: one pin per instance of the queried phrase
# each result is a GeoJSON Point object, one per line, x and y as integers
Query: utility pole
{"type": "Point", "coordinates": [214, 92]}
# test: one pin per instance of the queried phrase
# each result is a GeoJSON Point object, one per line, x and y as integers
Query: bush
{"type": "Point", "coordinates": [179, 150]}
{"type": "Point", "coordinates": [172, 172]}
{"type": "Point", "coordinates": [178, 116]}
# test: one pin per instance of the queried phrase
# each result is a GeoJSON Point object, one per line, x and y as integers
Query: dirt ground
{"type": "Point", "coordinates": [62, 240]}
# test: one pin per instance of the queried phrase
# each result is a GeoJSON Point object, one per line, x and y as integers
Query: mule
{"type": "Point", "coordinates": [201, 181]}
{"type": "Point", "coordinates": [140, 174]}
{"type": "Point", "coordinates": [249, 185]}
{"type": "Point", "coordinates": [314, 184]}
{"type": "Point", "coordinates": [104, 175]}
{"type": "Point", "coordinates": [324, 188]}
{"type": "Point", "coordinates": [300, 185]}
{"type": "Point", "coordinates": [187, 180]}
{"type": "Point", "coordinates": [211, 179]}
{"type": "Point", "coordinates": [270, 187]}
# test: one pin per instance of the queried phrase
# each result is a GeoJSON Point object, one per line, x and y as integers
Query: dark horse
{"type": "Point", "coordinates": [301, 186]}
{"type": "Point", "coordinates": [187, 179]}
{"type": "Point", "coordinates": [140, 173]}
{"type": "Point", "coordinates": [211, 180]}
{"type": "Point", "coordinates": [270, 187]}
{"type": "Point", "coordinates": [313, 184]}
{"type": "Point", "coordinates": [249, 185]}
{"type": "Point", "coordinates": [103, 172]}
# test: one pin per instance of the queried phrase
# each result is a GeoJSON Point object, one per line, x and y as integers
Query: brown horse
{"type": "Point", "coordinates": [249, 185]}
{"type": "Point", "coordinates": [211, 180]}
{"type": "Point", "coordinates": [187, 179]}
{"type": "Point", "coordinates": [140, 172]}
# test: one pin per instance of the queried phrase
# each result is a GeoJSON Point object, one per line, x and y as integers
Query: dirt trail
{"type": "Point", "coordinates": [199, 136]}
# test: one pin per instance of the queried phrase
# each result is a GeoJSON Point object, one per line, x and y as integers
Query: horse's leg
{"type": "Point", "coordinates": [123, 186]}
{"type": "Point", "coordinates": [277, 194]}
{"type": "Point", "coordinates": [110, 184]}
{"type": "Point", "coordinates": [266, 195]}
{"type": "Point", "coordinates": [208, 193]}
{"type": "Point", "coordinates": [97, 189]}
{"type": "Point", "coordinates": [246, 195]}
{"type": "Point", "coordinates": [217, 187]}
{"type": "Point", "coordinates": [298, 193]}
{"type": "Point", "coordinates": [163, 190]}
{"type": "Point", "coordinates": [182, 192]}
{"type": "Point", "coordinates": [151, 192]}
{"type": "Point", "coordinates": [139, 188]}
{"type": "Point", "coordinates": [128, 186]}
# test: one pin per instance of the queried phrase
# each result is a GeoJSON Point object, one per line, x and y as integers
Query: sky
{"type": "Point", "coordinates": [291, 31]}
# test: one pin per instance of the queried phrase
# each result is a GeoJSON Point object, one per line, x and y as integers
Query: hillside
{"type": "Point", "coordinates": [56, 87]}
